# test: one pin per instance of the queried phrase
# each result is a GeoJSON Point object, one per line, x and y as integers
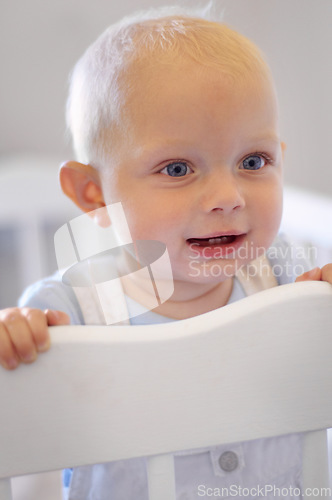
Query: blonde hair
{"type": "Point", "coordinates": [100, 81]}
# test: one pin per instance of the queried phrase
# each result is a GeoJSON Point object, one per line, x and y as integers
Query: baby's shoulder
{"type": "Point", "coordinates": [290, 258]}
{"type": "Point", "coordinates": [52, 293]}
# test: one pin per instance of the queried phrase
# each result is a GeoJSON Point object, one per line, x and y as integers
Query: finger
{"type": "Point", "coordinates": [8, 357]}
{"type": "Point", "coordinates": [56, 318]}
{"type": "Point", "coordinates": [20, 335]}
{"type": "Point", "coordinates": [37, 323]}
{"type": "Point", "coordinates": [327, 273]}
{"type": "Point", "coordinates": [312, 275]}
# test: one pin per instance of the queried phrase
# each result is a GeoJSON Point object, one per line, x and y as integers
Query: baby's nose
{"type": "Point", "coordinates": [223, 192]}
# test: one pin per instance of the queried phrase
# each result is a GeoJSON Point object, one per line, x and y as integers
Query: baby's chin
{"type": "Point", "coordinates": [204, 274]}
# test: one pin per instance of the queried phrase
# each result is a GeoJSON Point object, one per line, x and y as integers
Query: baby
{"type": "Point", "coordinates": [176, 117]}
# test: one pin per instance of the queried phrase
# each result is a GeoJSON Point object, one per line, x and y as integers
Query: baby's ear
{"type": "Point", "coordinates": [283, 148]}
{"type": "Point", "coordinates": [81, 183]}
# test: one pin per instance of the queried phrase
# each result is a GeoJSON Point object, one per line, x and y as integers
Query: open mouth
{"type": "Point", "coordinates": [217, 246]}
{"type": "Point", "coordinates": [215, 241]}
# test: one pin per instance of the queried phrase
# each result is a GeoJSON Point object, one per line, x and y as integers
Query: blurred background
{"type": "Point", "coordinates": [41, 42]}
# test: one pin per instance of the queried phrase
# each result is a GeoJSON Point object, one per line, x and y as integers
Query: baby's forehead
{"type": "Point", "coordinates": [161, 85]}
{"type": "Point", "coordinates": [215, 48]}
{"type": "Point", "coordinates": [168, 75]}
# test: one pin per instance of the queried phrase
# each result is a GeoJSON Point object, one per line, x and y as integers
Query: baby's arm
{"type": "Point", "coordinates": [24, 334]}
{"type": "Point", "coordinates": [317, 274]}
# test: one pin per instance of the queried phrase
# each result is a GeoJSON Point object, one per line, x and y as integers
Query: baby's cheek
{"type": "Point", "coordinates": [273, 208]}
{"type": "Point", "coordinates": [145, 225]}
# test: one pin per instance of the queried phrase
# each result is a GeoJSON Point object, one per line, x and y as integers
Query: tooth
{"type": "Point", "coordinates": [221, 239]}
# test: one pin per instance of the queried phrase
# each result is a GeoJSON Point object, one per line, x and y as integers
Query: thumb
{"type": "Point", "coordinates": [56, 318]}
{"type": "Point", "coordinates": [312, 275]}
{"type": "Point", "coordinates": [327, 273]}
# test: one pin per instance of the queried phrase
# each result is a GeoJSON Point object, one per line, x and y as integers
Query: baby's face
{"type": "Point", "coordinates": [200, 169]}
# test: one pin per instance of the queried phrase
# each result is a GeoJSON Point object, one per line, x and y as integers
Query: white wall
{"type": "Point", "coordinates": [42, 40]}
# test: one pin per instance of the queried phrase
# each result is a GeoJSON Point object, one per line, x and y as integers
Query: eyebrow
{"type": "Point", "coordinates": [161, 147]}
{"type": "Point", "coordinates": [272, 138]}
{"type": "Point", "coordinates": [153, 151]}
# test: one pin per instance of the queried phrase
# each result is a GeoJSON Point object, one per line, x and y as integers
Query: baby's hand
{"type": "Point", "coordinates": [317, 274]}
{"type": "Point", "coordinates": [24, 334]}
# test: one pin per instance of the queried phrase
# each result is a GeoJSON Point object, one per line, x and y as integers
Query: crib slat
{"type": "Point", "coordinates": [315, 466]}
{"type": "Point", "coordinates": [161, 477]}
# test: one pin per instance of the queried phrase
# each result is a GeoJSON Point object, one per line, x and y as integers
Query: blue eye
{"type": "Point", "coordinates": [253, 162]}
{"type": "Point", "coordinates": [176, 169]}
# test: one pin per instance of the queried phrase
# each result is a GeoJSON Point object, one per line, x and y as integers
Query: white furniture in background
{"type": "Point", "coordinates": [32, 206]}
{"type": "Point", "coordinates": [307, 218]}
{"type": "Point", "coordinates": [82, 401]}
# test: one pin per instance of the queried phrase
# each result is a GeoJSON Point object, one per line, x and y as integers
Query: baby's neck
{"type": "Point", "coordinates": [213, 298]}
